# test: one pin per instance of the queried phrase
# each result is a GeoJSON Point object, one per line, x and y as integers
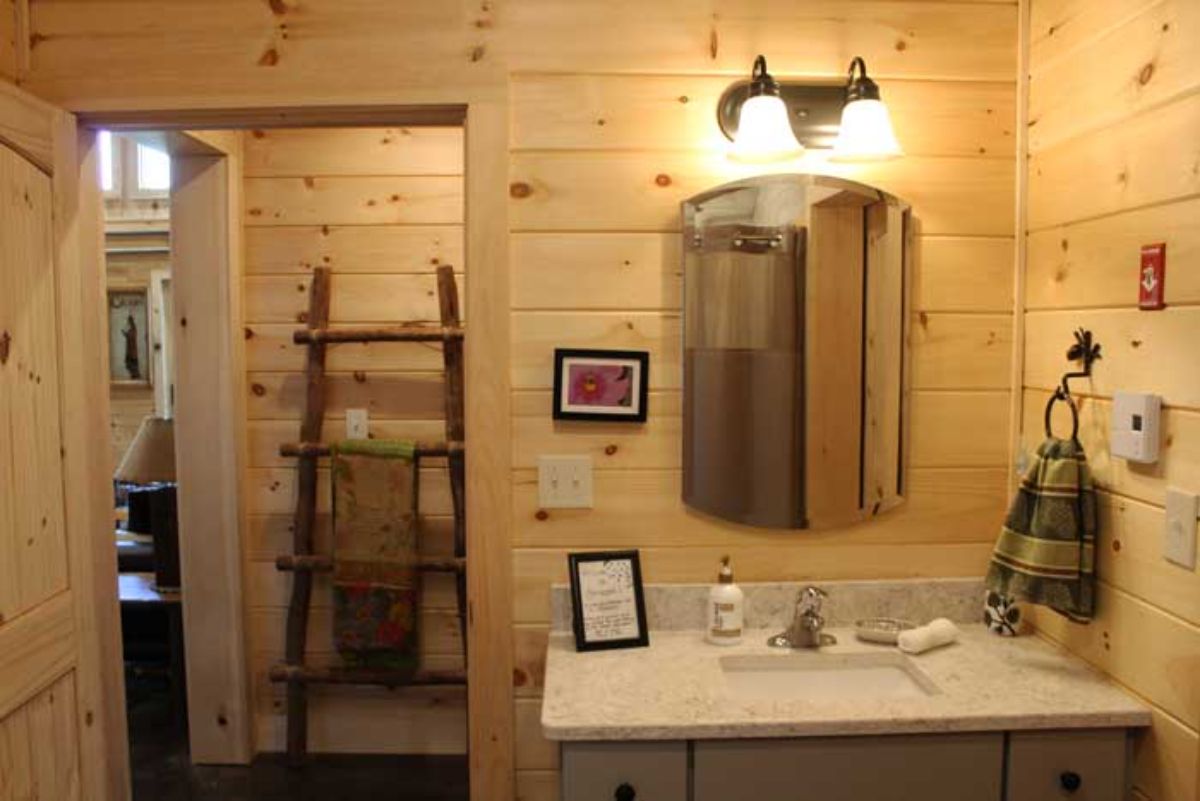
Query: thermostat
{"type": "Point", "coordinates": [1135, 426]}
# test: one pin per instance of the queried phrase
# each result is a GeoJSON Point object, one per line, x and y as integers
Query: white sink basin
{"type": "Point", "coordinates": [821, 677]}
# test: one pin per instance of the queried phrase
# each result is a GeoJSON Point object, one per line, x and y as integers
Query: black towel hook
{"type": "Point", "coordinates": [1087, 351]}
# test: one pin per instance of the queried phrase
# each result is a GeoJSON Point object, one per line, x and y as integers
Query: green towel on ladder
{"type": "Point", "coordinates": [1046, 553]}
{"type": "Point", "coordinates": [376, 583]}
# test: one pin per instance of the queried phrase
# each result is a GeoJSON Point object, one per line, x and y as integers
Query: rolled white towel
{"type": "Point", "coordinates": [921, 639]}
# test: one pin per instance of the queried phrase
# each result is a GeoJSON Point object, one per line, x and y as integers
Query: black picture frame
{"type": "Point", "coordinates": [639, 359]}
{"type": "Point", "coordinates": [641, 637]}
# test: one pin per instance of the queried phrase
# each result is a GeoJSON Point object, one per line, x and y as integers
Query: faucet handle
{"type": "Point", "coordinates": [809, 600]}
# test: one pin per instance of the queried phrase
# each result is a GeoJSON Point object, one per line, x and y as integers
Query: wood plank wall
{"type": "Point", "coordinates": [1114, 121]}
{"type": "Point", "coordinates": [8, 39]}
{"type": "Point", "coordinates": [611, 111]}
{"type": "Point", "coordinates": [381, 208]}
{"type": "Point", "coordinates": [599, 164]}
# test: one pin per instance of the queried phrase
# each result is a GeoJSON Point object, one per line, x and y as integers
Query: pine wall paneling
{"type": "Point", "coordinates": [611, 107]}
{"type": "Point", "coordinates": [381, 208]}
{"type": "Point", "coordinates": [600, 163]}
{"type": "Point", "coordinates": [8, 39]}
{"type": "Point", "coordinates": [1115, 118]}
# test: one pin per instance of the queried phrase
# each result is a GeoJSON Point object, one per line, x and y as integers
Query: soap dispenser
{"type": "Point", "coordinates": [726, 608]}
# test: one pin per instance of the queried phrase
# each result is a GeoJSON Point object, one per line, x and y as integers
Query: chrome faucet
{"type": "Point", "coordinates": [806, 629]}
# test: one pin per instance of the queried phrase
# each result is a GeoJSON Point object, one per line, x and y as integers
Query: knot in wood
{"type": "Point", "coordinates": [5, 345]}
{"type": "Point", "coordinates": [519, 190]}
{"type": "Point", "coordinates": [662, 179]}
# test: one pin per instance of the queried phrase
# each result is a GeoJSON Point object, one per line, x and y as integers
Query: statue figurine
{"type": "Point", "coordinates": [132, 365]}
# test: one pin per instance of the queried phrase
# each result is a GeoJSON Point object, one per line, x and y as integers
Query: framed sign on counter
{"type": "Point", "coordinates": [608, 605]}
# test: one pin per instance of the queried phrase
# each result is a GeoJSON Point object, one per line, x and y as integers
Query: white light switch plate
{"type": "Point", "coordinates": [565, 482]}
{"type": "Point", "coordinates": [358, 424]}
{"type": "Point", "coordinates": [1179, 544]}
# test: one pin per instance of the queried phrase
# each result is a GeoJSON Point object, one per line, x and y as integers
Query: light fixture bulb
{"type": "Point", "coordinates": [764, 132]}
{"type": "Point", "coordinates": [866, 132]}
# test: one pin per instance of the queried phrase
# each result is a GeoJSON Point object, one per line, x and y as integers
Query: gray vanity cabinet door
{"type": "Point", "coordinates": [959, 767]}
{"type": "Point", "coordinates": [653, 771]}
{"type": "Point", "coordinates": [1088, 765]}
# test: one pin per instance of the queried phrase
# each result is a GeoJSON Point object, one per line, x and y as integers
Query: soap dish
{"type": "Point", "coordinates": [884, 630]}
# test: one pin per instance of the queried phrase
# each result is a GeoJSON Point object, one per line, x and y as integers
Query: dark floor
{"type": "Point", "coordinates": [163, 772]}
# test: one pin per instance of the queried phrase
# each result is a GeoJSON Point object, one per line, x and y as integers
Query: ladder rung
{"type": "Point", "coordinates": [391, 333]}
{"type": "Point", "coordinates": [387, 678]}
{"type": "Point", "coordinates": [423, 449]}
{"type": "Point", "coordinates": [324, 564]}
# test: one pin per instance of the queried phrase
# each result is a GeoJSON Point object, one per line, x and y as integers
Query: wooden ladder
{"type": "Point", "coordinates": [303, 562]}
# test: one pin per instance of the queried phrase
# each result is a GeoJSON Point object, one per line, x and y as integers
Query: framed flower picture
{"type": "Point", "coordinates": [608, 385]}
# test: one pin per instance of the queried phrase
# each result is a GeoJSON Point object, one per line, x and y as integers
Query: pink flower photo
{"type": "Point", "coordinates": [599, 385]}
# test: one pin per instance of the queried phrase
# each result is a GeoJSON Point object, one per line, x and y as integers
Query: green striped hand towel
{"type": "Point", "coordinates": [1046, 552]}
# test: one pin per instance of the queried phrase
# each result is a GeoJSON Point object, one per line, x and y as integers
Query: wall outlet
{"type": "Point", "coordinates": [565, 482]}
{"type": "Point", "coordinates": [358, 424]}
{"type": "Point", "coordinates": [1179, 544]}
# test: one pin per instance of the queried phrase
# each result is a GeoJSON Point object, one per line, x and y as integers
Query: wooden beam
{"type": "Point", "coordinates": [391, 333]}
{"type": "Point", "coordinates": [301, 675]}
{"type": "Point", "coordinates": [209, 441]}
{"type": "Point", "coordinates": [282, 117]}
{"type": "Point", "coordinates": [423, 449]}
{"type": "Point", "coordinates": [324, 564]}
{"type": "Point", "coordinates": [452, 369]}
{"type": "Point", "coordinates": [306, 512]}
{"type": "Point", "coordinates": [489, 425]}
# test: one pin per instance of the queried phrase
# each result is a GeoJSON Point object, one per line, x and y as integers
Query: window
{"type": "Point", "coordinates": [135, 177]}
{"type": "Point", "coordinates": [108, 167]}
{"type": "Point", "coordinates": [153, 170]}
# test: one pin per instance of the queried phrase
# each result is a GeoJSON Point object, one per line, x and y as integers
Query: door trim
{"type": "Point", "coordinates": [488, 397]}
{"type": "Point", "coordinates": [210, 442]}
{"type": "Point", "coordinates": [87, 463]}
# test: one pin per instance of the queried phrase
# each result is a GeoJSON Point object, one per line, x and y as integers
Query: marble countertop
{"type": "Point", "coordinates": [676, 689]}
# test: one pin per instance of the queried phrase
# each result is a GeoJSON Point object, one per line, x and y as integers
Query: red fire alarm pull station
{"type": "Point", "coordinates": [1152, 276]}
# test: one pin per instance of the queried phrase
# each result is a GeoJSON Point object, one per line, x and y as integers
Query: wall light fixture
{"type": "Point", "coordinates": [769, 120]}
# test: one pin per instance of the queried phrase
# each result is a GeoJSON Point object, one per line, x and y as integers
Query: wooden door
{"type": "Point", "coordinates": [61, 692]}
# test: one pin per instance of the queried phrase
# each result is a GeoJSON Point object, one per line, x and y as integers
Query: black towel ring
{"type": "Point", "coordinates": [1057, 396]}
{"type": "Point", "coordinates": [1088, 351]}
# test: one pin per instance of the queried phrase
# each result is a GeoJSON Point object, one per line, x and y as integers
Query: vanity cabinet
{"type": "Point", "coordinates": [1058, 765]}
{"type": "Point", "coordinates": [649, 771]}
{"type": "Point", "coordinates": [1089, 765]}
{"type": "Point", "coordinates": [954, 767]}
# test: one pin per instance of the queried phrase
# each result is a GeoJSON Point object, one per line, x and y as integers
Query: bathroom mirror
{"type": "Point", "coordinates": [795, 400]}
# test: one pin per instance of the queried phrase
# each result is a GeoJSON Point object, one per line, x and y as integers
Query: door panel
{"type": "Point", "coordinates": [61, 693]}
{"type": "Point", "coordinates": [39, 738]}
{"type": "Point", "coordinates": [35, 545]}
{"type": "Point", "coordinates": [35, 649]}
{"type": "Point", "coordinates": [28, 768]}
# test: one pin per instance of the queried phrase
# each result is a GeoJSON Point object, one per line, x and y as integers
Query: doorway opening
{"type": "Point", "coordinates": [208, 277]}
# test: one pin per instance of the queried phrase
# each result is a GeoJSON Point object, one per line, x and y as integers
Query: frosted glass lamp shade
{"type": "Point", "coordinates": [764, 133]}
{"type": "Point", "coordinates": [866, 133]}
